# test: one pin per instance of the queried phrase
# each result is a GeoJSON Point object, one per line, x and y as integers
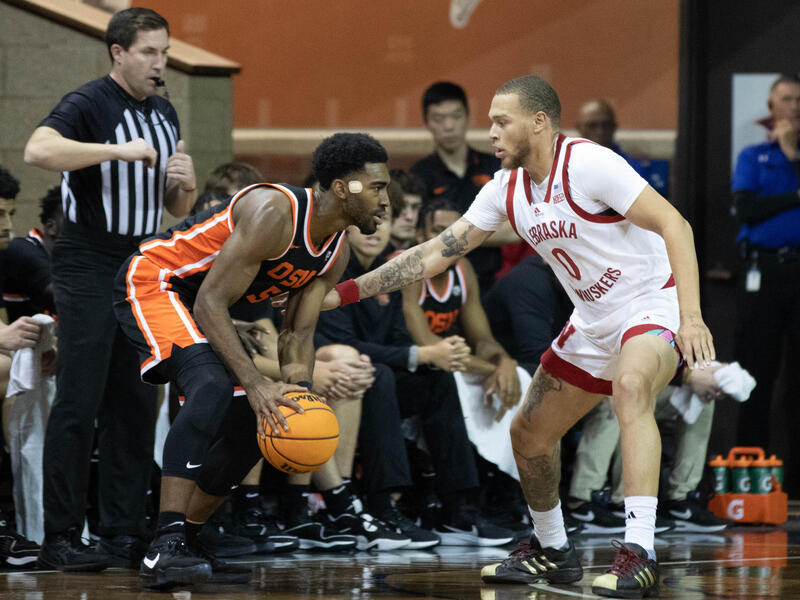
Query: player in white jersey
{"type": "Point", "coordinates": [627, 259]}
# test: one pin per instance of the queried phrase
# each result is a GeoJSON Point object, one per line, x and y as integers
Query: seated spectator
{"type": "Point", "coordinates": [692, 424]}
{"type": "Point", "coordinates": [491, 384]}
{"type": "Point", "coordinates": [457, 172]}
{"type": "Point", "coordinates": [404, 220]}
{"type": "Point", "coordinates": [405, 385]}
{"type": "Point", "coordinates": [15, 550]}
{"type": "Point", "coordinates": [232, 177]}
{"type": "Point", "coordinates": [598, 122]}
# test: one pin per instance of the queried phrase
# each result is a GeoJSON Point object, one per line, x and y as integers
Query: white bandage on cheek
{"type": "Point", "coordinates": [355, 187]}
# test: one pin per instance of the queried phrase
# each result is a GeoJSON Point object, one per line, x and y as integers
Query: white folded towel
{"type": "Point", "coordinates": [735, 381]}
{"type": "Point", "coordinates": [26, 365]}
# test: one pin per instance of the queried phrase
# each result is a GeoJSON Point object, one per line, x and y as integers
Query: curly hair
{"type": "Point", "coordinates": [344, 153]}
{"type": "Point", "coordinates": [9, 186]}
{"type": "Point", "coordinates": [50, 204]}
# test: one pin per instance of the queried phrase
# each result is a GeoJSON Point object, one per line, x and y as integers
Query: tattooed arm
{"type": "Point", "coordinates": [419, 262]}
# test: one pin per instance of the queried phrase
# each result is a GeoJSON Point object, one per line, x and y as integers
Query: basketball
{"type": "Point", "coordinates": [310, 441]}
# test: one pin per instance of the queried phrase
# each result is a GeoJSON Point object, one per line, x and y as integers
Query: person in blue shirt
{"type": "Point", "coordinates": [767, 202]}
{"type": "Point", "coordinates": [597, 121]}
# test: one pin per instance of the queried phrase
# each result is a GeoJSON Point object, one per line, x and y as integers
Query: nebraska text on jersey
{"type": "Point", "coordinates": [553, 229]}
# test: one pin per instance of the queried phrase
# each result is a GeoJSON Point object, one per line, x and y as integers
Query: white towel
{"type": "Point", "coordinates": [735, 381]}
{"type": "Point", "coordinates": [491, 438]}
{"type": "Point", "coordinates": [29, 399]}
{"type": "Point", "coordinates": [26, 366]}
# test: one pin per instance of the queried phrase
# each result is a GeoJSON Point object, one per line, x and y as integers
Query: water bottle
{"type": "Point", "coordinates": [776, 467]}
{"type": "Point", "coordinates": [720, 467]}
{"type": "Point", "coordinates": [760, 476]}
{"type": "Point", "coordinates": [740, 475]}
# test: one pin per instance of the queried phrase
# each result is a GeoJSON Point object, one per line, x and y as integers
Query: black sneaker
{"type": "Point", "coordinates": [15, 550]}
{"type": "Point", "coordinates": [312, 534]}
{"type": "Point", "coordinates": [530, 563]}
{"type": "Point", "coordinates": [689, 515]}
{"type": "Point", "coordinates": [468, 528]}
{"type": "Point", "coordinates": [124, 551]}
{"type": "Point", "coordinates": [633, 574]}
{"type": "Point", "coordinates": [262, 529]}
{"type": "Point", "coordinates": [370, 533]}
{"type": "Point", "coordinates": [595, 517]}
{"type": "Point", "coordinates": [67, 552]}
{"type": "Point", "coordinates": [168, 562]}
{"type": "Point", "coordinates": [420, 538]}
{"type": "Point", "coordinates": [572, 525]}
{"type": "Point", "coordinates": [213, 541]}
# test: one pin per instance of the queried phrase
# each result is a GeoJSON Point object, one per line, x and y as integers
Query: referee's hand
{"type": "Point", "coordinates": [138, 150]}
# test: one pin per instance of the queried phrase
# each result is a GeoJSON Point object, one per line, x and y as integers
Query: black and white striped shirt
{"type": "Point", "coordinates": [124, 198]}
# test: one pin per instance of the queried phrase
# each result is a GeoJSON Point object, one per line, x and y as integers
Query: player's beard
{"type": "Point", "coordinates": [365, 221]}
{"type": "Point", "coordinates": [520, 157]}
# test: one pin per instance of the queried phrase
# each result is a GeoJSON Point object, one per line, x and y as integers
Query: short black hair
{"type": "Point", "coordinates": [208, 196]}
{"type": "Point", "coordinates": [535, 94]}
{"type": "Point", "coordinates": [785, 78]}
{"type": "Point", "coordinates": [50, 204]}
{"type": "Point", "coordinates": [431, 206]}
{"type": "Point", "coordinates": [238, 174]}
{"type": "Point", "coordinates": [344, 153]}
{"type": "Point", "coordinates": [9, 186]}
{"type": "Point", "coordinates": [126, 24]}
{"type": "Point", "coordinates": [442, 91]}
{"type": "Point", "coordinates": [410, 183]}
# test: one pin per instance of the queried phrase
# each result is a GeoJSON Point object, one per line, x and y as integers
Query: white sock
{"type": "Point", "coordinates": [548, 527]}
{"type": "Point", "coordinates": [640, 521]}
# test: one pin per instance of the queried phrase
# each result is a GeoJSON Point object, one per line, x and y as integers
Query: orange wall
{"type": "Point", "coordinates": [365, 63]}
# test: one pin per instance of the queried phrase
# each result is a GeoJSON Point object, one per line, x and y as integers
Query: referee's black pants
{"type": "Point", "coordinates": [433, 396]}
{"type": "Point", "coordinates": [98, 379]}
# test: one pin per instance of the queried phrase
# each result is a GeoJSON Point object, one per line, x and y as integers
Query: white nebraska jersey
{"type": "Point", "coordinates": [574, 220]}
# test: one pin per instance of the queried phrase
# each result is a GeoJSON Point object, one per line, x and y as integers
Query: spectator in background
{"type": "Point", "coordinates": [15, 550]}
{"type": "Point", "coordinates": [404, 221]}
{"type": "Point", "coordinates": [23, 332]}
{"type": "Point", "coordinates": [120, 152]}
{"type": "Point", "coordinates": [598, 122]}
{"type": "Point", "coordinates": [233, 176]}
{"type": "Point", "coordinates": [406, 384]}
{"type": "Point", "coordinates": [766, 190]}
{"type": "Point", "coordinates": [454, 170]}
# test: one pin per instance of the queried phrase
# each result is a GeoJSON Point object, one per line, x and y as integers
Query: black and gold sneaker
{"type": "Point", "coordinates": [633, 574]}
{"type": "Point", "coordinates": [530, 563]}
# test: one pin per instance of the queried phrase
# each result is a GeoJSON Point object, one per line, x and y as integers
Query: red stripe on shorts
{"type": "Point", "coordinates": [558, 367]}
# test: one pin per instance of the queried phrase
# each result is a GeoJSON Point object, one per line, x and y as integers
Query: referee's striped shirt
{"type": "Point", "coordinates": [124, 198]}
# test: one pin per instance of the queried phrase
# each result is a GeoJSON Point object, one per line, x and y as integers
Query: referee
{"type": "Point", "coordinates": [119, 150]}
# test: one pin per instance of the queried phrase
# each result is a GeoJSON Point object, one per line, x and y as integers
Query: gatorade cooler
{"type": "Point", "coordinates": [752, 507]}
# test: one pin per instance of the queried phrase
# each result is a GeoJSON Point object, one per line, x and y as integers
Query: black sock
{"type": "Point", "coordinates": [192, 529]}
{"type": "Point", "coordinates": [246, 497]}
{"type": "Point", "coordinates": [171, 522]}
{"type": "Point", "coordinates": [338, 499]}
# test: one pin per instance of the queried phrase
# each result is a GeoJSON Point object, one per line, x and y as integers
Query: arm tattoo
{"type": "Point", "coordinates": [395, 274]}
{"type": "Point", "coordinates": [455, 246]}
{"type": "Point", "coordinates": [542, 383]}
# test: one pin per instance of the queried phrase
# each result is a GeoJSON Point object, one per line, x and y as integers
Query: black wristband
{"type": "Point", "coordinates": [305, 384]}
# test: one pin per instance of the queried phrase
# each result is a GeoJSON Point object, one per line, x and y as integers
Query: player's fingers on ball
{"type": "Point", "coordinates": [291, 404]}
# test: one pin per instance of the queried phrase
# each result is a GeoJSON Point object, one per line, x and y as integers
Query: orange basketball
{"type": "Point", "coordinates": [310, 441]}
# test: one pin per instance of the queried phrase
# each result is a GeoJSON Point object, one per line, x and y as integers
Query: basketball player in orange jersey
{"type": "Point", "coordinates": [172, 299]}
{"type": "Point", "coordinates": [626, 258]}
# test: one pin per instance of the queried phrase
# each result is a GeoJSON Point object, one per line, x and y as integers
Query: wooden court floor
{"type": "Point", "coordinates": [743, 563]}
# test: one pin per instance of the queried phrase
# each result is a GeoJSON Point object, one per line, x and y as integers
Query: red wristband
{"type": "Point", "coordinates": [348, 291]}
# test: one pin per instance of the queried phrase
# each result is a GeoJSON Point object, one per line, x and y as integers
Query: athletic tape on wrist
{"type": "Point", "coordinates": [348, 291]}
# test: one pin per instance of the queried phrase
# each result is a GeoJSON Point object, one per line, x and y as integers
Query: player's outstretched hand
{"type": "Point", "coordinates": [265, 397]}
{"type": "Point", "coordinates": [695, 342]}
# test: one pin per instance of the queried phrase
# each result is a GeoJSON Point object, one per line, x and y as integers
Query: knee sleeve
{"type": "Point", "coordinates": [208, 391]}
{"type": "Point", "coordinates": [233, 453]}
